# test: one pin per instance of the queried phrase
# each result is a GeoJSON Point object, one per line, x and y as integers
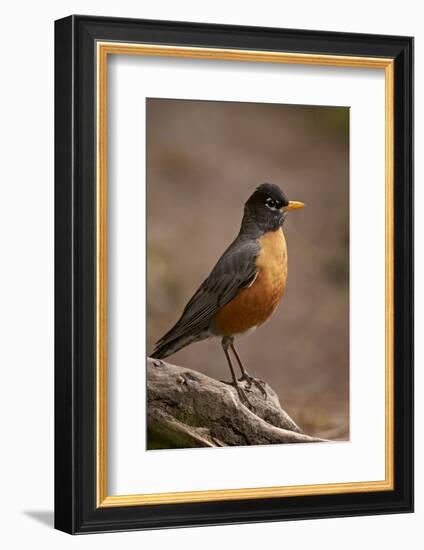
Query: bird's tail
{"type": "Point", "coordinates": [163, 350]}
{"type": "Point", "coordinates": [168, 346]}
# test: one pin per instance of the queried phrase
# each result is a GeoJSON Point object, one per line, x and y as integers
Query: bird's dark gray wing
{"type": "Point", "coordinates": [236, 269]}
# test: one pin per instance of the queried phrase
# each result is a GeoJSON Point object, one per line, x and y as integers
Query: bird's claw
{"type": "Point", "coordinates": [250, 380]}
{"type": "Point", "coordinates": [242, 395]}
{"type": "Point", "coordinates": [244, 399]}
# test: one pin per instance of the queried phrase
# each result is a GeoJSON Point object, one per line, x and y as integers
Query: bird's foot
{"type": "Point", "coordinates": [242, 395]}
{"type": "Point", "coordinates": [244, 399]}
{"type": "Point", "coordinates": [251, 381]}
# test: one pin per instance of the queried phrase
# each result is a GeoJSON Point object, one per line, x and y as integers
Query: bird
{"type": "Point", "coordinates": [243, 289]}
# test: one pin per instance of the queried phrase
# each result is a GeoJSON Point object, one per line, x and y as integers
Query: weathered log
{"type": "Point", "coordinates": [189, 409]}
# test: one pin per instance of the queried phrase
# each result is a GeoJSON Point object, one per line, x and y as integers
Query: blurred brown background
{"type": "Point", "coordinates": [204, 159]}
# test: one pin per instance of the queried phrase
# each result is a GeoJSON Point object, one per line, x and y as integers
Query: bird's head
{"type": "Point", "coordinates": [268, 206]}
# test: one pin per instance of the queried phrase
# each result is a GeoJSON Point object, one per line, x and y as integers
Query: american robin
{"type": "Point", "coordinates": [245, 286]}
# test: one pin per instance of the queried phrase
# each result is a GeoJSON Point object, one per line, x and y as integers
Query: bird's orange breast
{"type": "Point", "coordinates": [255, 304]}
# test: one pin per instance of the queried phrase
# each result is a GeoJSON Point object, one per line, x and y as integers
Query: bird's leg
{"type": "Point", "coordinates": [246, 376]}
{"type": "Point", "coordinates": [226, 343]}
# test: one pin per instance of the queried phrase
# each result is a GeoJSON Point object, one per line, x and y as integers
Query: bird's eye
{"type": "Point", "coordinates": [270, 202]}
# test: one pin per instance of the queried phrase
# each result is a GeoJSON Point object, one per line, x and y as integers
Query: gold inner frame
{"type": "Point", "coordinates": [104, 49]}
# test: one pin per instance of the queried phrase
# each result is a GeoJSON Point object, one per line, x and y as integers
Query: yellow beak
{"type": "Point", "coordinates": [294, 205]}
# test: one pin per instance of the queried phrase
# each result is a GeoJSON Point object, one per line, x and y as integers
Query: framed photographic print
{"type": "Point", "coordinates": [234, 274]}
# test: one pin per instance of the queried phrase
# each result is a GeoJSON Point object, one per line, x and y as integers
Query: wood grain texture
{"type": "Point", "coordinates": [186, 409]}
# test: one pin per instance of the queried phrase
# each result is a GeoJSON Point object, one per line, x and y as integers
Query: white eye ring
{"type": "Point", "coordinates": [270, 203]}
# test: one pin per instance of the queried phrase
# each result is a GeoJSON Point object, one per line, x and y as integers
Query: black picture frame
{"type": "Point", "coordinates": [76, 510]}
